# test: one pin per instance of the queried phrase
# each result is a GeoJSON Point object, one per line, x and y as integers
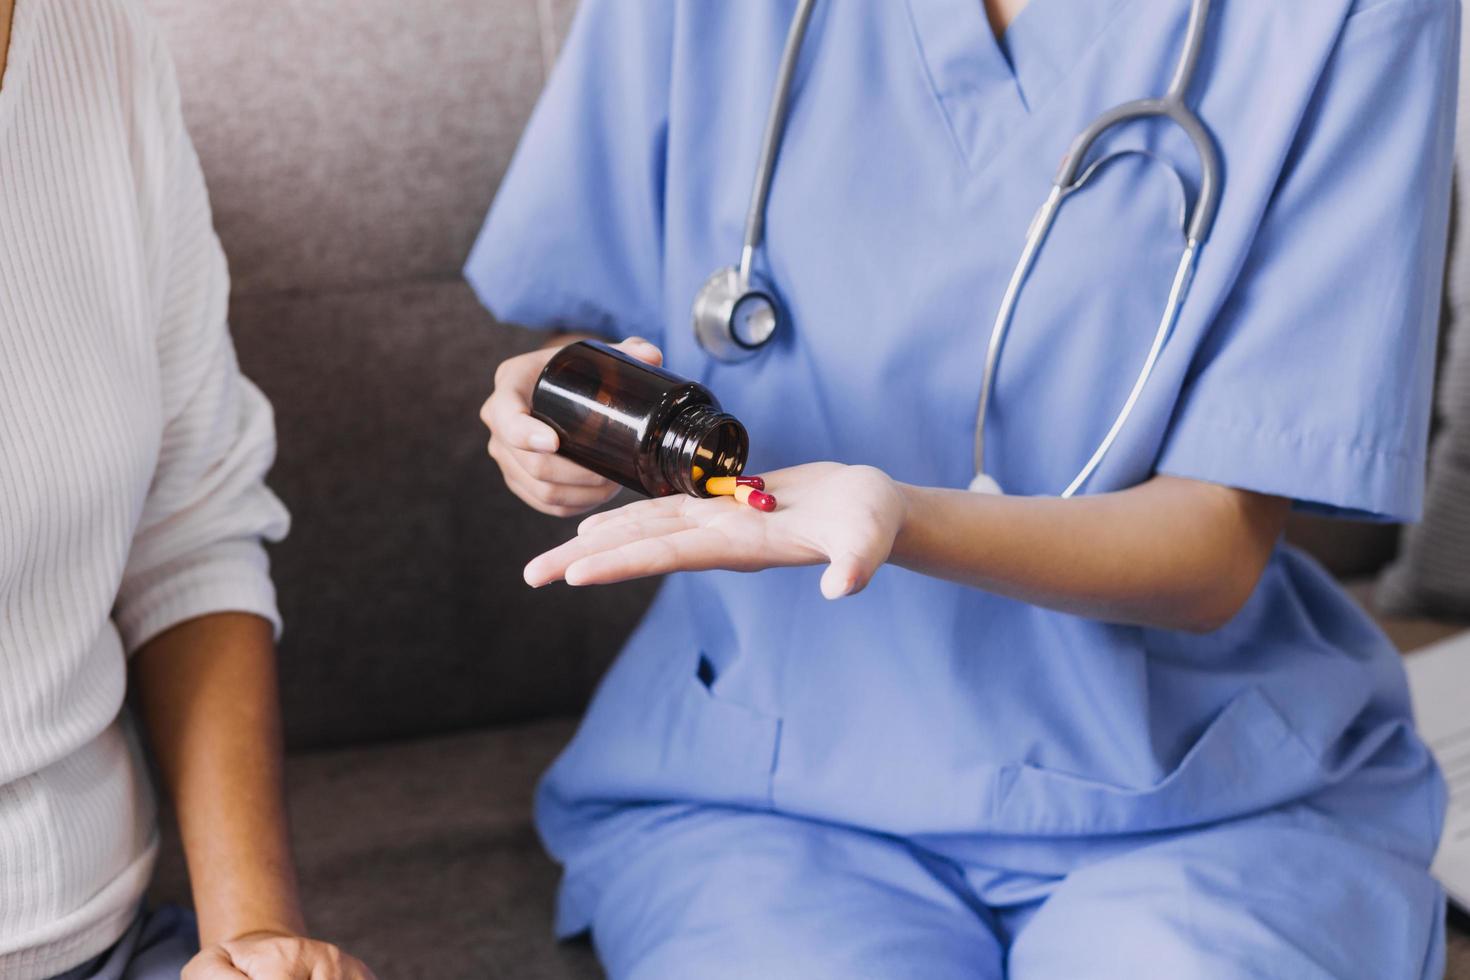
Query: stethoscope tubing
{"type": "Point", "coordinates": [1071, 176]}
{"type": "Point", "coordinates": [755, 215]}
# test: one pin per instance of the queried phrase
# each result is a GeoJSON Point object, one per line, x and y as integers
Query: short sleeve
{"type": "Point", "coordinates": [1314, 382]}
{"type": "Point", "coordinates": [198, 547]}
{"type": "Point", "coordinates": [574, 238]}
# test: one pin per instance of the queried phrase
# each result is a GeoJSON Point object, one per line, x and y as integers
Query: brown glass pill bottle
{"type": "Point", "coordinates": [638, 425]}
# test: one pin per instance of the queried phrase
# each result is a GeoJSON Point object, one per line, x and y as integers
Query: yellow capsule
{"type": "Point", "coordinates": [697, 473]}
{"type": "Point", "coordinates": [722, 486]}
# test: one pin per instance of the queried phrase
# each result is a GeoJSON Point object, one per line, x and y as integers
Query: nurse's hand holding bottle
{"type": "Point", "coordinates": [525, 447]}
{"type": "Point", "coordinates": [1171, 552]}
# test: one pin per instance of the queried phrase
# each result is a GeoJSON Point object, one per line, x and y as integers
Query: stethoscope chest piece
{"type": "Point", "coordinates": [735, 316]}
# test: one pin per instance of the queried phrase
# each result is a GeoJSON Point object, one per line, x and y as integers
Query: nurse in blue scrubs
{"type": "Point", "coordinates": [1124, 734]}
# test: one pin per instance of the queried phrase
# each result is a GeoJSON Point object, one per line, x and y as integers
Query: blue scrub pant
{"type": "Point", "coordinates": [730, 895]}
{"type": "Point", "coordinates": [156, 947]}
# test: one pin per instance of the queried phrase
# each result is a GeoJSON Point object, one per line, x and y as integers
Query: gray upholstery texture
{"type": "Point", "coordinates": [1432, 571]}
{"type": "Point", "coordinates": [363, 141]}
{"type": "Point", "coordinates": [420, 857]}
{"type": "Point", "coordinates": [400, 582]}
{"type": "Point", "coordinates": [351, 149]}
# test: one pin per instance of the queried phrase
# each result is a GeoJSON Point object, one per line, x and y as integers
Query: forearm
{"type": "Point", "coordinates": [210, 704]}
{"type": "Point", "coordinates": [1169, 553]}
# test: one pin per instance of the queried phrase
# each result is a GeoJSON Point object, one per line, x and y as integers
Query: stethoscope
{"type": "Point", "coordinates": [736, 313]}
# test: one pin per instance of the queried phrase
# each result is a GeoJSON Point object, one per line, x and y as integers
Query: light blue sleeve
{"type": "Point", "coordinates": [1315, 380]}
{"type": "Point", "coordinates": [574, 238]}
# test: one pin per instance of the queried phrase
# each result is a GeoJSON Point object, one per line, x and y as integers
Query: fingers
{"type": "Point", "coordinates": [507, 414]}
{"type": "Point", "coordinates": [525, 447]}
{"type": "Point", "coordinates": [556, 499]}
{"type": "Point", "coordinates": [520, 430]}
{"type": "Point", "coordinates": [330, 963]}
{"type": "Point", "coordinates": [696, 549]}
{"type": "Point", "coordinates": [552, 566]}
{"type": "Point", "coordinates": [642, 349]}
{"type": "Point", "coordinates": [285, 958]}
{"type": "Point", "coordinates": [212, 964]}
{"type": "Point", "coordinates": [639, 510]}
{"type": "Point", "coordinates": [546, 469]}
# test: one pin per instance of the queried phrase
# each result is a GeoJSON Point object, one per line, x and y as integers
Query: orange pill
{"type": "Point", "coordinates": [697, 472]}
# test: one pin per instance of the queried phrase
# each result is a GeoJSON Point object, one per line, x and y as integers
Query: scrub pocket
{"type": "Point", "coordinates": [659, 733]}
{"type": "Point", "coordinates": [731, 748]}
{"type": "Point", "coordinates": [656, 740]}
{"type": "Point", "coordinates": [1247, 760]}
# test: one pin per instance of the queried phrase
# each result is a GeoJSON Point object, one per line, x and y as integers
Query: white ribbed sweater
{"type": "Point", "coordinates": [132, 454]}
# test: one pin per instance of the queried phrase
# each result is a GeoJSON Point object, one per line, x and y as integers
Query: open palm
{"type": "Point", "coordinates": [846, 516]}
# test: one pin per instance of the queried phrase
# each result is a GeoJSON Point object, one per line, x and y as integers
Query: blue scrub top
{"type": "Point", "coordinates": [918, 148]}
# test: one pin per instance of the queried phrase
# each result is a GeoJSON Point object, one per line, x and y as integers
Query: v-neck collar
{"type": "Point", "coordinates": [987, 85]}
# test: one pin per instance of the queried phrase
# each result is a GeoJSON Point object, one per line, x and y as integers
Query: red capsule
{"type": "Point", "coordinates": [762, 501]}
{"type": "Point", "coordinates": [754, 482]}
{"type": "Point", "coordinates": [755, 498]}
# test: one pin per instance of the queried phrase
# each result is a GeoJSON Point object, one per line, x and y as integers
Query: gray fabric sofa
{"type": "Point", "coordinates": [351, 148]}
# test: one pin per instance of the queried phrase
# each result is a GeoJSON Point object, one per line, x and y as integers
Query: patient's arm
{"type": "Point", "coordinates": [208, 696]}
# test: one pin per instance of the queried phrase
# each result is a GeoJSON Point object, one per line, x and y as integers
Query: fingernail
{"type": "Point", "coordinates": [543, 442]}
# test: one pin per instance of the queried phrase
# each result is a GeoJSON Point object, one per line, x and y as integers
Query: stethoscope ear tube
{"type": "Point", "coordinates": [1198, 224]}
{"type": "Point", "coordinates": [735, 316]}
{"type": "Point", "coordinates": [1070, 176]}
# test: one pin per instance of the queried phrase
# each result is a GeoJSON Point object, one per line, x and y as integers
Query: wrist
{"type": "Point", "coordinates": [285, 919]}
{"type": "Point", "coordinates": [910, 507]}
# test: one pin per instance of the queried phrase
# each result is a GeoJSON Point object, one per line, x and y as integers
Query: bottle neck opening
{"type": "Point", "coordinates": [703, 437]}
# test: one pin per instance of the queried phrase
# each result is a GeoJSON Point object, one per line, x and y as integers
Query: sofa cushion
{"type": "Point", "coordinates": [1408, 633]}
{"type": "Point", "coordinates": [1458, 966]}
{"type": "Point", "coordinates": [400, 581]}
{"type": "Point", "coordinates": [352, 142]}
{"type": "Point", "coordinates": [420, 857]}
{"type": "Point", "coordinates": [1432, 573]}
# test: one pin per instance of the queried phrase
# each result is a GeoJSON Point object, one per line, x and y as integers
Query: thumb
{"type": "Point", "coordinates": [646, 351]}
{"type": "Point", "coordinates": [847, 574]}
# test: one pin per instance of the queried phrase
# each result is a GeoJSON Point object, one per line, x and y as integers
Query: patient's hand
{"type": "Point", "coordinates": [845, 516]}
{"type": "Point", "coordinates": [275, 956]}
{"type": "Point", "coordinates": [525, 447]}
